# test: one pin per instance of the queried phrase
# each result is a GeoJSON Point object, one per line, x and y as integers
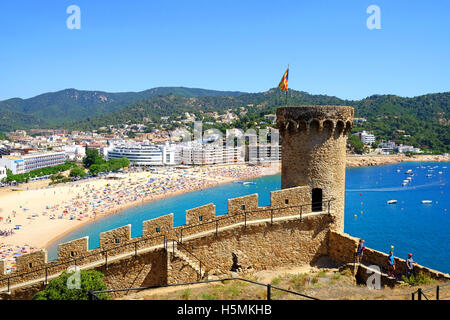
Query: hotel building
{"type": "Point", "coordinates": [145, 155]}
{"type": "Point", "coordinates": [32, 161]}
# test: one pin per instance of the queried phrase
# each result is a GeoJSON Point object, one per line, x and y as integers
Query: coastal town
{"type": "Point", "coordinates": [159, 167]}
{"type": "Point", "coordinates": [224, 150]}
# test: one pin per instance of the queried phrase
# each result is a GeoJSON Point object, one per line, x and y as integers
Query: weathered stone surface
{"type": "Point", "coordinates": [2, 267]}
{"type": "Point", "coordinates": [27, 262]}
{"type": "Point", "coordinates": [156, 226]}
{"type": "Point", "coordinates": [201, 214]}
{"type": "Point", "coordinates": [73, 249]}
{"type": "Point", "coordinates": [241, 204]}
{"type": "Point", "coordinates": [314, 145]}
{"type": "Point", "coordinates": [116, 237]}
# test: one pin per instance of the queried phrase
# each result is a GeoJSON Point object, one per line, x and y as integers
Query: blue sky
{"type": "Point", "coordinates": [241, 45]}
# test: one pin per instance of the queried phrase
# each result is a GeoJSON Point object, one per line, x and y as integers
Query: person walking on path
{"type": "Point", "coordinates": [360, 250]}
{"type": "Point", "coordinates": [409, 265]}
{"type": "Point", "coordinates": [391, 265]}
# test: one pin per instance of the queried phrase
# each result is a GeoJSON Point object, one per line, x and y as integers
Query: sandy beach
{"type": "Point", "coordinates": [44, 214]}
{"type": "Point", "coordinates": [36, 215]}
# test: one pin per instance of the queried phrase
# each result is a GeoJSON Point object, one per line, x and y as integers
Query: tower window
{"type": "Point", "coordinates": [117, 240]}
{"type": "Point", "coordinates": [286, 201]}
{"type": "Point", "coordinates": [243, 207]}
{"type": "Point", "coordinates": [157, 229]}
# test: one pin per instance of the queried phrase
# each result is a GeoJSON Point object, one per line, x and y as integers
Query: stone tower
{"type": "Point", "coordinates": [313, 153]}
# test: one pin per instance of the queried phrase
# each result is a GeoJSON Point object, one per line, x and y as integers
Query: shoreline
{"type": "Point", "coordinates": [355, 161]}
{"type": "Point", "coordinates": [125, 193]}
{"type": "Point", "coordinates": [207, 182]}
{"type": "Point", "coordinates": [143, 202]}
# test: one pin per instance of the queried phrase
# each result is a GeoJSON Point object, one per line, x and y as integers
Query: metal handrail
{"type": "Point", "coordinates": [226, 216]}
{"type": "Point", "coordinates": [74, 260]}
{"type": "Point", "coordinates": [188, 251]}
{"type": "Point", "coordinates": [93, 294]}
{"type": "Point", "coordinates": [420, 292]}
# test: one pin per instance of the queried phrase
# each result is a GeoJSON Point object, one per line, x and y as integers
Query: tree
{"type": "Point", "coordinates": [75, 172]}
{"type": "Point", "coordinates": [356, 143]}
{"type": "Point", "coordinates": [92, 157]}
{"type": "Point", "coordinates": [58, 288]}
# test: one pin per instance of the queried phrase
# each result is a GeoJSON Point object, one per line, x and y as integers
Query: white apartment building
{"type": "Point", "coordinates": [74, 152]}
{"type": "Point", "coordinates": [365, 137]}
{"type": "Point", "coordinates": [32, 161]}
{"type": "Point", "coordinates": [145, 155]}
{"type": "Point", "coordinates": [264, 153]}
{"type": "Point", "coordinates": [196, 153]}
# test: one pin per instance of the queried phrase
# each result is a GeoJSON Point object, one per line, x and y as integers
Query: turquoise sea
{"type": "Point", "coordinates": [408, 225]}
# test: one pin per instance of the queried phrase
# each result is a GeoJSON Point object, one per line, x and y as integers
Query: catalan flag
{"type": "Point", "coordinates": [284, 81]}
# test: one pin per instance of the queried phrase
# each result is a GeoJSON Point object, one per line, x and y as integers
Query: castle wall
{"type": "Point", "coordinates": [116, 237]}
{"type": "Point", "coordinates": [342, 248]}
{"type": "Point", "coordinates": [147, 269]}
{"type": "Point", "coordinates": [160, 225]}
{"type": "Point", "coordinates": [241, 204]}
{"type": "Point", "coordinates": [2, 267]}
{"type": "Point", "coordinates": [179, 271]}
{"type": "Point", "coordinates": [73, 249]}
{"type": "Point", "coordinates": [201, 214]}
{"type": "Point", "coordinates": [27, 262]}
{"type": "Point", "coordinates": [264, 246]}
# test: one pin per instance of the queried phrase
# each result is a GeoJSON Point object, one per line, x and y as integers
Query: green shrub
{"type": "Point", "coordinates": [275, 281]}
{"type": "Point", "coordinates": [419, 279]}
{"type": "Point", "coordinates": [208, 296]}
{"type": "Point", "coordinates": [186, 294]}
{"type": "Point", "coordinates": [299, 280]}
{"type": "Point", "coordinates": [58, 288]}
{"type": "Point", "coordinates": [321, 274]}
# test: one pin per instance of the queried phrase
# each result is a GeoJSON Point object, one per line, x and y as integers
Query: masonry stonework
{"type": "Point", "coordinates": [73, 249]}
{"type": "Point", "coordinates": [314, 146]}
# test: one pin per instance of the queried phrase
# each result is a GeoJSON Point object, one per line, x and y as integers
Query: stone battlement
{"type": "Point", "coordinates": [311, 119]}
{"type": "Point", "coordinates": [35, 265]}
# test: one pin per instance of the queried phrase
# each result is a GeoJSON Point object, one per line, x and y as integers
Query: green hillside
{"type": "Point", "coordinates": [422, 121]}
{"type": "Point", "coordinates": [54, 108]}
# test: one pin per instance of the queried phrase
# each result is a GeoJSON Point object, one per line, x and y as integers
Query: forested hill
{"type": "Point", "coordinates": [54, 108]}
{"type": "Point", "coordinates": [422, 121]}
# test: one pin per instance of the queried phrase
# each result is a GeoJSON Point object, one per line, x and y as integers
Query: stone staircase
{"type": "Point", "coordinates": [191, 261]}
{"type": "Point", "coordinates": [363, 271]}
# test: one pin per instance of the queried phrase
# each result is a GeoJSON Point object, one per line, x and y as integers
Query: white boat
{"type": "Point", "coordinates": [408, 171]}
{"type": "Point", "coordinates": [392, 202]}
{"type": "Point", "coordinates": [427, 201]}
{"type": "Point", "coordinates": [429, 175]}
{"type": "Point", "coordinates": [405, 181]}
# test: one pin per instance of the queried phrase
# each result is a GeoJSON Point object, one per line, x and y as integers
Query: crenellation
{"type": "Point", "coordinates": [2, 267]}
{"type": "Point", "coordinates": [115, 237]}
{"type": "Point", "coordinates": [31, 261]}
{"type": "Point", "coordinates": [242, 204]}
{"type": "Point", "coordinates": [73, 249]}
{"type": "Point", "coordinates": [315, 156]}
{"type": "Point", "coordinates": [201, 214]}
{"type": "Point", "coordinates": [157, 226]}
